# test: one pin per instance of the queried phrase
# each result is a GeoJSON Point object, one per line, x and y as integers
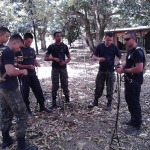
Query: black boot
{"type": "Point", "coordinates": [22, 145]}
{"type": "Point", "coordinates": [129, 123]}
{"type": "Point", "coordinates": [68, 101]}
{"type": "Point", "coordinates": [29, 111]}
{"type": "Point", "coordinates": [43, 108]}
{"type": "Point", "coordinates": [133, 130]}
{"type": "Point", "coordinates": [108, 108]}
{"type": "Point", "coordinates": [7, 140]}
{"type": "Point", "coordinates": [95, 103]}
{"type": "Point", "coordinates": [53, 102]}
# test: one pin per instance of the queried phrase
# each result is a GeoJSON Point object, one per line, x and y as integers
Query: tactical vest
{"type": "Point", "coordinates": [62, 44]}
{"type": "Point", "coordinates": [2, 76]}
{"type": "Point", "coordinates": [25, 57]}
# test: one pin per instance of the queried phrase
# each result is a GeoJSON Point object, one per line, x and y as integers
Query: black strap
{"type": "Point", "coordinates": [115, 139]}
{"type": "Point", "coordinates": [139, 48]}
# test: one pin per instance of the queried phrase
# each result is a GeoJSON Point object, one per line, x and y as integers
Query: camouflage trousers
{"type": "Point", "coordinates": [109, 78]}
{"type": "Point", "coordinates": [63, 75]}
{"type": "Point", "coordinates": [12, 104]}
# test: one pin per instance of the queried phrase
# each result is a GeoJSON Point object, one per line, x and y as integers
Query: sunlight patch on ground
{"type": "Point", "coordinates": [74, 72]}
{"type": "Point", "coordinates": [147, 72]}
{"type": "Point", "coordinates": [45, 72]}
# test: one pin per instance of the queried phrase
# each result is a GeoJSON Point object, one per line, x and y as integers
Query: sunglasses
{"type": "Point", "coordinates": [127, 39]}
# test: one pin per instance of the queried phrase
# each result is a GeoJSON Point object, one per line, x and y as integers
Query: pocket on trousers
{"type": "Point", "coordinates": [134, 87]}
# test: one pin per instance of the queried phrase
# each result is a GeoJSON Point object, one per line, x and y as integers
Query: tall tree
{"type": "Point", "coordinates": [98, 15]}
{"type": "Point", "coordinates": [39, 12]}
{"type": "Point", "coordinates": [95, 16]}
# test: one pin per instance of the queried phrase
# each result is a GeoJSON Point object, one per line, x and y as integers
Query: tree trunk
{"type": "Point", "coordinates": [100, 35]}
{"type": "Point", "coordinates": [35, 38]}
{"type": "Point", "coordinates": [89, 39]}
{"type": "Point", "coordinates": [43, 41]}
{"type": "Point", "coordinates": [97, 40]}
{"type": "Point", "coordinates": [42, 33]}
{"type": "Point", "coordinates": [89, 42]}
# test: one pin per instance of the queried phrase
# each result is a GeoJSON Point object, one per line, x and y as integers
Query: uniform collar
{"type": "Point", "coordinates": [107, 46]}
{"type": "Point", "coordinates": [134, 48]}
{"type": "Point", "coordinates": [59, 44]}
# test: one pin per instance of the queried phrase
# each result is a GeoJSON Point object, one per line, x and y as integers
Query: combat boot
{"type": "Point", "coordinates": [95, 103]}
{"type": "Point", "coordinates": [68, 101]}
{"type": "Point", "coordinates": [43, 108]}
{"type": "Point", "coordinates": [22, 145]}
{"type": "Point", "coordinates": [7, 140]}
{"type": "Point", "coordinates": [133, 130]}
{"type": "Point", "coordinates": [129, 123]}
{"type": "Point", "coordinates": [29, 111]}
{"type": "Point", "coordinates": [108, 108]}
{"type": "Point", "coordinates": [53, 103]}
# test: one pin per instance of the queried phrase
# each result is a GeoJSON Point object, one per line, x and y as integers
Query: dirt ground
{"type": "Point", "coordinates": [81, 128]}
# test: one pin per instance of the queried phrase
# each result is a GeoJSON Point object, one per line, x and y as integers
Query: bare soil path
{"type": "Point", "coordinates": [81, 128]}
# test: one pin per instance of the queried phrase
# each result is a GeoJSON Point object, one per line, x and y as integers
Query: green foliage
{"type": "Point", "coordinates": [93, 15]}
{"type": "Point", "coordinates": [98, 15]}
{"type": "Point", "coordinates": [71, 30]}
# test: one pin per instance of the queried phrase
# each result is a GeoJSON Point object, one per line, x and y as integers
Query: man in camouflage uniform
{"type": "Point", "coordinates": [31, 80]}
{"type": "Point", "coordinates": [105, 53]}
{"type": "Point", "coordinates": [58, 50]}
{"type": "Point", "coordinates": [11, 101]}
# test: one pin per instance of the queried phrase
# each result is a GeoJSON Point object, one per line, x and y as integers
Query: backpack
{"type": "Point", "coordinates": [2, 76]}
{"type": "Point", "coordinates": [144, 54]}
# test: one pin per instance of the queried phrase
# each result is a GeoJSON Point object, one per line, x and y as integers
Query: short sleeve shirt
{"type": "Point", "coordinates": [135, 56]}
{"type": "Point", "coordinates": [28, 58]}
{"type": "Point", "coordinates": [109, 54]}
{"type": "Point", "coordinates": [58, 51]}
{"type": "Point", "coordinates": [7, 58]}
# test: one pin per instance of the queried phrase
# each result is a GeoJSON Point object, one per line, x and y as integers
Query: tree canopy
{"type": "Point", "coordinates": [92, 17]}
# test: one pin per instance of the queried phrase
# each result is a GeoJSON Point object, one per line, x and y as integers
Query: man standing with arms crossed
{"type": "Point", "coordinates": [58, 50]}
{"type": "Point", "coordinates": [105, 53]}
{"type": "Point", "coordinates": [133, 70]}
{"type": "Point", "coordinates": [11, 101]}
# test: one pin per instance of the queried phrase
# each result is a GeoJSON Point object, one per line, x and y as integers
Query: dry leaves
{"type": "Point", "coordinates": [80, 128]}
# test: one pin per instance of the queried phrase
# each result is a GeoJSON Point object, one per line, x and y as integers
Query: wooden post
{"type": "Point", "coordinates": [141, 38]}
{"type": "Point", "coordinates": [115, 39]}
